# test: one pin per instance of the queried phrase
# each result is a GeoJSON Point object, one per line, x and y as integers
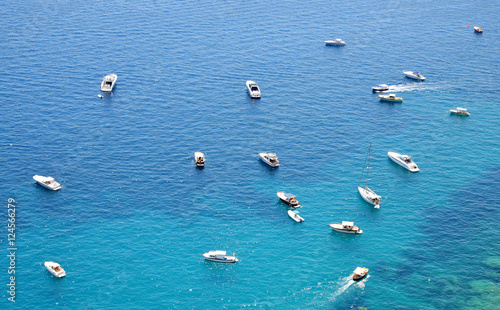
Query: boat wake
{"type": "Point", "coordinates": [411, 87]}
{"type": "Point", "coordinates": [348, 282]}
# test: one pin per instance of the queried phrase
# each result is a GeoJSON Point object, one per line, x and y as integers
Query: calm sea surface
{"type": "Point", "coordinates": [135, 215]}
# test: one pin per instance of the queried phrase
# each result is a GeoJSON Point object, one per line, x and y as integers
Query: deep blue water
{"type": "Point", "coordinates": [135, 215]}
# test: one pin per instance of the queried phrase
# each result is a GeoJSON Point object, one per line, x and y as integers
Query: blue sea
{"type": "Point", "coordinates": [135, 215]}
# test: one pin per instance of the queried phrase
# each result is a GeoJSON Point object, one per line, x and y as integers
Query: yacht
{"type": "Point", "coordinates": [460, 111]}
{"type": "Point", "coordinates": [253, 90]}
{"type": "Point", "coordinates": [295, 216]}
{"type": "Point", "coordinates": [478, 29]}
{"type": "Point", "coordinates": [404, 161]}
{"type": "Point", "coordinates": [55, 269]}
{"type": "Point", "coordinates": [108, 83]}
{"type": "Point", "coordinates": [380, 87]}
{"type": "Point", "coordinates": [47, 182]}
{"type": "Point", "coordinates": [219, 257]}
{"type": "Point", "coordinates": [199, 158]}
{"type": "Point", "coordinates": [270, 158]}
{"type": "Point", "coordinates": [414, 75]}
{"type": "Point", "coordinates": [390, 98]}
{"type": "Point", "coordinates": [346, 227]}
{"type": "Point", "coordinates": [365, 192]}
{"type": "Point", "coordinates": [359, 273]}
{"type": "Point", "coordinates": [336, 42]}
{"type": "Point", "coordinates": [289, 199]}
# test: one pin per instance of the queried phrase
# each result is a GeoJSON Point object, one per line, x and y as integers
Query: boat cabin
{"type": "Point", "coordinates": [348, 225]}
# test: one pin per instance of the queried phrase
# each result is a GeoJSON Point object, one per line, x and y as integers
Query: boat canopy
{"type": "Point", "coordinates": [359, 270]}
{"type": "Point", "coordinates": [217, 253]}
{"type": "Point", "coordinates": [462, 109]}
{"type": "Point", "coordinates": [345, 223]}
{"type": "Point", "coordinates": [289, 196]}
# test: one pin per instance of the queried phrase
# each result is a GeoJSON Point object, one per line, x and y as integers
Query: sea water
{"type": "Point", "coordinates": [135, 215]}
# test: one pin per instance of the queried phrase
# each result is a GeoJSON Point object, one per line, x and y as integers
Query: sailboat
{"type": "Point", "coordinates": [367, 194]}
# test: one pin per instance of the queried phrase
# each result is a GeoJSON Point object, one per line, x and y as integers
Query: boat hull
{"type": "Point", "coordinates": [53, 186]}
{"type": "Point", "coordinates": [50, 265]}
{"type": "Point", "coordinates": [227, 261]}
{"type": "Point", "coordinates": [391, 100]}
{"type": "Point", "coordinates": [264, 159]}
{"type": "Point", "coordinates": [412, 76]}
{"type": "Point", "coordinates": [365, 194]}
{"type": "Point", "coordinates": [339, 228]}
{"type": "Point", "coordinates": [254, 94]}
{"type": "Point", "coordinates": [394, 158]}
{"type": "Point", "coordinates": [297, 218]}
{"type": "Point", "coordinates": [105, 87]}
{"type": "Point", "coordinates": [359, 277]}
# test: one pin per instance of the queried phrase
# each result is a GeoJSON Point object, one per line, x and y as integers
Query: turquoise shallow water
{"type": "Point", "coordinates": [135, 215]}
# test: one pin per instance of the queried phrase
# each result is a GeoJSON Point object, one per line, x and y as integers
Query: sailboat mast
{"type": "Point", "coordinates": [368, 166]}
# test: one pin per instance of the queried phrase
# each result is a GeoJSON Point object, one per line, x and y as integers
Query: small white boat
{"type": "Point", "coordinates": [253, 90]}
{"type": "Point", "coordinates": [346, 227]}
{"type": "Point", "coordinates": [367, 194]}
{"type": "Point", "coordinates": [460, 111]}
{"type": "Point", "coordinates": [55, 269]}
{"type": "Point", "coordinates": [380, 88]}
{"type": "Point", "coordinates": [478, 29]}
{"type": "Point", "coordinates": [336, 42]}
{"type": "Point", "coordinates": [108, 83]}
{"type": "Point", "coordinates": [390, 98]}
{"type": "Point", "coordinates": [414, 75]}
{"type": "Point", "coordinates": [289, 199]}
{"type": "Point", "coordinates": [47, 182]}
{"type": "Point", "coordinates": [404, 161]}
{"type": "Point", "coordinates": [219, 257]}
{"type": "Point", "coordinates": [359, 273]}
{"type": "Point", "coordinates": [270, 158]}
{"type": "Point", "coordinates": [199, 158]}
{"type": "Point", "coordinates": [295, 216]}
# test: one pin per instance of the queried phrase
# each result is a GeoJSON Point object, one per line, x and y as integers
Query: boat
{"type": "Point", "coordinates": [108, 83]}
{"type": "Point", "coordinates": [460, 111]}
{"type": "Point", "coordinates": [47, 182]}
{"type": "Point", "coordinates": [270, 158]}
{"type": "Point", "coordinates": [365, 192]}
{"type": "Point", "coordinates": [253, 90]}
{"type": "Point", "coordinates": [380, 87]}
{"type": "Point", "coordinates": [289, 199]}
{"type": "Point", "coordinates": [346, 227]}
{"type": "Point", "coordinates": [404, 161]}
{"type": "Point", "coordinates": [414, 75]}
{"type": "Point", "coordinates": [390, 98]}
{"type": "Point", "coordinates": [336, 42]}
{"type": "Point", "coordinates": [219, 257]}
{"type": "Point", "coordinates": [199, 158]}
{"type": "Point", "coordinates": [478, 29]}
{"type": "Point", "coordinates": [359, 273]}
{"type": "Point", "coordinates": [55, 269]}
{"type": "Point", "coordinates": [295, 216]}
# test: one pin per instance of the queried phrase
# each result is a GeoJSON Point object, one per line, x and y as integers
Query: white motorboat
{"type": "Point", "coordinates": [365, 192]}
{"type": "Point", "coordinates": [219, 257]}
{"type": "Point", "coordinates": [47, 182]}
{"type": "Point", "coordinates": [346, 227]}
{"type": "Point", "coordinates": [359, 273]}
{"type": "Point", "coordinates": [478, 29]}
{"type": "Point", "coordinates": [336, 42]}
{"type": "Point", "coordinates": [380, 88]}
{"type": "Point", "coordinates": [199, 158]}
{"type": "Point", "coordinates": [55, 269]}
{"type": "Point", "coordinates": [460, 111]}
{"type": "Point", "coordinates": [404, 161]}
{"type": "Point", "coordinates": [414, 75]}
{"type": "Point", "coordinates": [270, 158]}
{"type": "Point", "coordinates": [253, 90]}
{"type": "Point", "coordinates": [390, 98]}
{"type": "Point", "coordinates": [108, 83]}
{"type": "Point", "coordinates": [295, 216]}
{"type": "Point", "coordinates": [289, 199]}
